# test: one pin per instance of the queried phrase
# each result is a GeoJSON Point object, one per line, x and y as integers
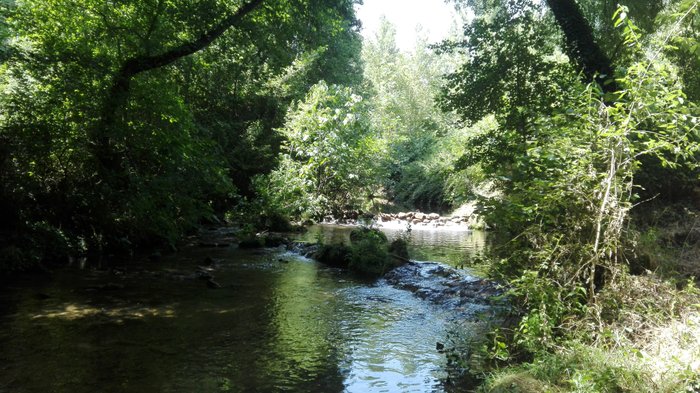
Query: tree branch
{"type": "Point", "coordinates": [119, 90]}
{"type": "Point", "coordinates": [140, 64]}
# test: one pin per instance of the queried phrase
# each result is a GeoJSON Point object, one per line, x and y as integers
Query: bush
{"type": "Point", "coordinates": [369, 252]}
{"type": "Point", "coordinates": [399, 247]}
{"type": "Point", "coordinates": [15, 260]}
{"type": "Point", "coordinates": [369, 256]}
{"type": "Point", "coordinates": [276, 222]}
{"type": "Point", "coordinates": [336, 255]}
{"type": "Point", "coordinates": [362, 233]}
{"type": "Point", "coordinates": [329, 159]}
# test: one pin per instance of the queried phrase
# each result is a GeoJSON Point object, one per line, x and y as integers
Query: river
{"type": "Point", "coordinates": [280, 322]}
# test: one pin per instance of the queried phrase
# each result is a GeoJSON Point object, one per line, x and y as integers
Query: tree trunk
{"type": "Point", "coordinates": [581, 46]}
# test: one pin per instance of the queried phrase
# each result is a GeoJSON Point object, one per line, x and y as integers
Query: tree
{"type": "Point", "coordinates": [144, 61]}
{"type": "Point", "coordinates": [239, 89]}
{"type": "Point", "coordinates": [128, 124]}
{"type": "Point", "coordinates": [327, 165]}
{"type": "Point", "coordinates": [581, 46]}
{"type": "Point", "coordinates": [402, 89]}
{"type": "Point", "coordinates": [569, 173]}
{"type": "Point", "coordinates": [515, 70]}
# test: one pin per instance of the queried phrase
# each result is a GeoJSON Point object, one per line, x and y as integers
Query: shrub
{"type": "Point", "coordinates": [369, 252]}
{"type": "Point", "coordinates": [336, 255]}
{"type": "Point", "coordinates": [399, 247]}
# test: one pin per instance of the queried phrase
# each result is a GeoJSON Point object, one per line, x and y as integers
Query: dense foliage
{"type": "Point", "coordinates": [576, 156]}
{"type": "Point", "coordinates": [574, 123]}
{"type": "Point", "coordinates": [130, 124]}
{"type": "Point", "coordinates": [384, 144]}
{"type": "Point", "coordinates": [423, 143]}
{"type": "Point", "coordinates": [326, 165]}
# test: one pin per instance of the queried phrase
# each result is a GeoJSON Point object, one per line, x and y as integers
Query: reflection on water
{"type": "Point", "coordinates": [280, 323]}
{"type": "Point", "coordinates": [453, 247]}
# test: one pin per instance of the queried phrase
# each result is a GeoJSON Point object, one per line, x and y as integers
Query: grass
{"type": "Point", "coordinates": [651, 345]}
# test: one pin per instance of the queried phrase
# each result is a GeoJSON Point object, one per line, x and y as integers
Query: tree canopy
{"type": "Point", "coordinates": [572, 126]}
{"type": "Point", "coordinates": [108, 109]}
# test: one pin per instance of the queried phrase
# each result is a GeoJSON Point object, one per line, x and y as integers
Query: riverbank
{"type": "Point", "coordinates": [462, 219]}
{"type": "Point", "coordinates": [653, 346]}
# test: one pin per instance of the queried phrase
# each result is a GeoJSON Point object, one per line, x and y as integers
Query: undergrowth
{"type": "Point", "coordinates": [606, 301]}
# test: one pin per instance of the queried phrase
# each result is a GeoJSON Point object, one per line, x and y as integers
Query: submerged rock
{"type": "Point", "coordinates": [437, 283]}
{"type": "Point", "coordinates": [303, 248]}
{"type": "Point", "coordinates": [211, 284]}
{"type": "Point", "coordinates": [253, 242]}
{"type": "Point", "coordinates": [110, 286]}
{"type": "Point", "coordinates": [444, 285]}
{"type": "Point", "coordinates": [213, 244]}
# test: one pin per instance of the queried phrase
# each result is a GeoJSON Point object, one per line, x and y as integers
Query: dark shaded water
{"type": "Point", "coordinates": [280, 323]}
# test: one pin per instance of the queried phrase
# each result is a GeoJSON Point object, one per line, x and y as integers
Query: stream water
{"type": "Point", "coordinates": [280, 322]}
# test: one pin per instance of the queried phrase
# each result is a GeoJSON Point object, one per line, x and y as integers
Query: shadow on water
{"type": "Point", "coordinates": [280, 322]}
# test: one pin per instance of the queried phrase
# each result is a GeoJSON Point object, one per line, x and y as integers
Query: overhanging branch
{"type": "Point", "coordinates": [119, 90]}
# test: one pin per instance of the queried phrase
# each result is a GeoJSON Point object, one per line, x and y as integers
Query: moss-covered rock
{"type": "Point", "coordinates": [337, 255]}
{"type": "Point", "coordinates": [370, 252]}
{"type": "Point", "coordinates": [273, 240]}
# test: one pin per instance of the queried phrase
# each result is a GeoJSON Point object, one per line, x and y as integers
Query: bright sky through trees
{"type": "Point", "coordinates": [434, 16]}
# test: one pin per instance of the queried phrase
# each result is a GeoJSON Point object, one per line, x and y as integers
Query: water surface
{"type": "Point", "coordinates": [280, 322]}
{"type": "Point", "coordinates": [452, 246]}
